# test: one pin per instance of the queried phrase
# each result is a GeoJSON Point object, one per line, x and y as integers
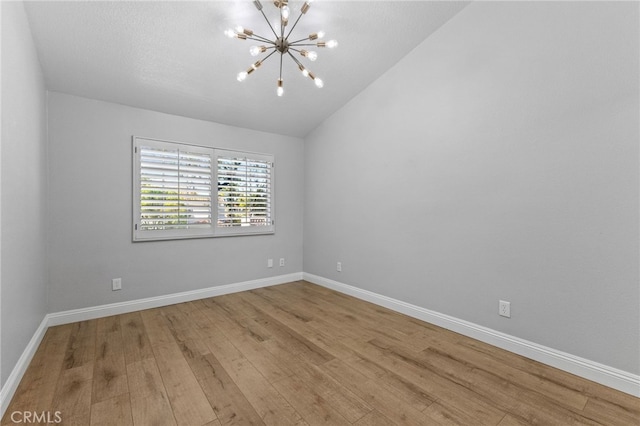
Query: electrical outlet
{"type": "Point", "coordinates": [116, 284]}
{"type": "Point", "coordinates": [269, 263]}
{"type": "Point", "coordinates": [339, 267]}
{"type": "Point", "coordinates": [504, 309]}
{"type": "Point", "coordinates": [282, 261]}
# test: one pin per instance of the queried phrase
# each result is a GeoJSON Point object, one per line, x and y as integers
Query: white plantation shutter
{"type": "Point", "coordinates": [178, 187]}
{"type": "Point", "coordinates": [245, 192]}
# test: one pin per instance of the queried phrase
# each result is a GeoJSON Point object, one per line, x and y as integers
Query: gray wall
{"type": "Point", "coordinates": [90, 208]}
{"type": "Point", "coordinates": [498, 160]}
{"type": "Point", "coordinates": [22, 190]}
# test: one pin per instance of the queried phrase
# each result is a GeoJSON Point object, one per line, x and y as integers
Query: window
{"type": "Point", "coordinates": [188, 191]}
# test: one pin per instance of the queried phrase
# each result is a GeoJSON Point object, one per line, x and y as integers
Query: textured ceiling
{"type": "Point", "coordinates": [173, 57]}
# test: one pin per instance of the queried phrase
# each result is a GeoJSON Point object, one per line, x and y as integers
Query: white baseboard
{"type": "Point", "coordinates": [11, 385]}
{"type": "Point", "coordinates": [599, 373]}
{"type": "Point", "coordinates": [84, 314]}
{"type": "Point", "coordinates": [66, 317]}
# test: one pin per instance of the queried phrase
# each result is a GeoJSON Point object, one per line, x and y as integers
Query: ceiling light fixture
{"type": "Point", "coordinates": [281, 43]}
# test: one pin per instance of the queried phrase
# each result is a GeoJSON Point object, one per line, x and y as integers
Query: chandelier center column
{"type": "Point", "coordinates": [282, 45]}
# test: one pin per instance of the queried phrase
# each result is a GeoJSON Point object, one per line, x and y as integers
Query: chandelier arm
{"type": "Point", "coordinates": [260, 38]}
{"type": "Point", "coordinates": [267, 57]}
{"type": "Point", "coordinates": [269, 23]}
{"type": "Point", "coordinates": [295, 59]}
{"type": "Point", "coordinates": [261, 61]}
{"type": "Point", "coordinates": [298, 41]}
{"type": "Point", "coordinates": [281, 56]}
{"type": "Point", "coordinates": [303, 44]}
{"type": "Point", "coordinates": [294, 24]}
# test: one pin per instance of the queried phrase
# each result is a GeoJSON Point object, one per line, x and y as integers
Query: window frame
{"type": "Point", "coordinates": [214, 230]}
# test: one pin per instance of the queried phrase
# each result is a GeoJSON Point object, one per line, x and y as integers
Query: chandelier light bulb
{"type": "Point", "coordinates": [242, 76]}
{"type": "Point", "coordinates": [319, 83]}
{"type": "Point", "coordinates": [280, 90]}
{"type": "Point", "coordinates": [312, 56]}
{"type": "Point", "coordinates": [315, 36]}
{"type": "Point", "coordinates": [285, 13]}
{"type": "Point", "coordinates": [243, 31]}
{"type": "Point", "coordinates": [332, 44]}
{"type": "Point", "coordinates": [232, 34]}
{"type": "Point", "coordinates": [256, 50]}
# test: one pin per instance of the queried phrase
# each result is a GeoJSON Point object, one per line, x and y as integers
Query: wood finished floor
{"type": "Point", "coordinates": [296, 354]}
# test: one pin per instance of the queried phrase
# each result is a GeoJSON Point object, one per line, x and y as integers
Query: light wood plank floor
{"type": "Point", "coordinates": [296, 354]}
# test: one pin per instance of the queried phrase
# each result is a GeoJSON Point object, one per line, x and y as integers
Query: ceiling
{"type": "Point", "coordinates": [173, 57]}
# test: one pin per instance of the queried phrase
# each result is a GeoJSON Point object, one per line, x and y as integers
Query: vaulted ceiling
{"type": "Point", "coordinates": [173, 57]}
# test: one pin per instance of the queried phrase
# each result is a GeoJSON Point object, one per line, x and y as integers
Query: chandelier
{"type": "Point", "coordinates": [280, 43]}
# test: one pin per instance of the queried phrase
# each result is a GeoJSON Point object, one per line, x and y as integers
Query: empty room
{"type": "Point", "coordinates": [260, 212]}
